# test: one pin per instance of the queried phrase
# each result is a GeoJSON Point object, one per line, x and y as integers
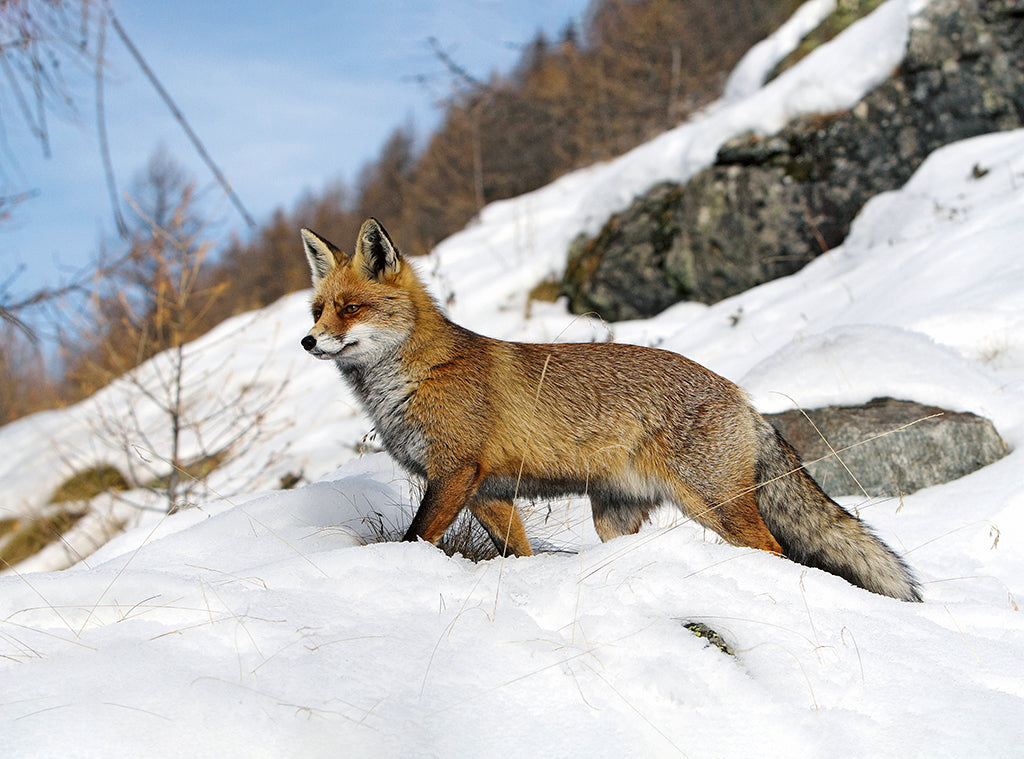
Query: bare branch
{"type": "Point", "coordinates": [180, 118]}
{"type": "Point", "coordinates": [101, 129]}
{"type": "Point", "coordinates": [454, 68]}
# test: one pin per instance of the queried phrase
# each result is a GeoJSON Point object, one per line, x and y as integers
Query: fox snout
{"type": "Point", "coordinates": [321, 347]}
{"type": "Point", "coordinates": [325, 345]}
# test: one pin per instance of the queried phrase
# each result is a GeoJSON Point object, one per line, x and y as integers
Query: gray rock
{"type": "Point", "coordinates": [892, 447]}
{"type": "Point", "coordinates": [770, 205]}
{"type": "Point", "coordinates": [595, 282]}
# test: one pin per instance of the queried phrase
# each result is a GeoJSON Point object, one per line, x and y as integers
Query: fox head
{"type": "Point", "coordinates": [364, 304]}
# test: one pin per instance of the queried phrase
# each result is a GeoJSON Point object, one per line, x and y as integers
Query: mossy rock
{"type": "Point", "coordinates": [709, 636]}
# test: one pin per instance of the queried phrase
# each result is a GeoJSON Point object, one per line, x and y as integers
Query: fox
{"type": "Point", "coordinates": [486, 422]}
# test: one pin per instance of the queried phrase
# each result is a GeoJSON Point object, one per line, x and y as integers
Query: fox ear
{"type": "Point", "coordinates": [375, 252]}
{"type": "Point", "coordinates": [323, 255]}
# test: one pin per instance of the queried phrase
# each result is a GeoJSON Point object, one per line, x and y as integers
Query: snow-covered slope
{"type": "Point", "coordinates": [270, 623]}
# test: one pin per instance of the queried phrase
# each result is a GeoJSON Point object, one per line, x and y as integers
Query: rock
{"type": "Point", "coordinates": [893, 447]}
{"type": "Point", "coordinates": [595, 282]}
{"type": "Point", "coordinates": [770, 205]}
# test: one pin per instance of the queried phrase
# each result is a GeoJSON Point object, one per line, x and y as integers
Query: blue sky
{"type": "Point", "coordinates": [287, 97]}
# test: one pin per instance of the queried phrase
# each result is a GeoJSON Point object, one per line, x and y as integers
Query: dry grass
{"type": "Point", "coordinates": [28, 539]}
{"type": "Point", "coordinates": [468, 539]}
{"type": "Point", "coordinates": [547, 290]}
{"type": "Point", "coordinates": [845, 14]}
{"type": "Point", "coordinates": [7, 526]}
{"type": "Point", "coordinates": [464, 538]}
{"type": "Point", "coordinates": [196, 470]}
{"type": "Point", "coordinates": [89, 483]}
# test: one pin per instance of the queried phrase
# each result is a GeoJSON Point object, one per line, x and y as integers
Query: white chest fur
{"type": "Point", "coordinates": [385, 393]}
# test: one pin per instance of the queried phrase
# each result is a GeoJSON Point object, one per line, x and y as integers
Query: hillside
{"type": "Point", "coordinates": [268, 622]}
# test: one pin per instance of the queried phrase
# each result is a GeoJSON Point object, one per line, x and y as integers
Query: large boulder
{"type": "Point", "coordinates": [888, 448]}
{"type": "Point", "coordinates": [770, 205]}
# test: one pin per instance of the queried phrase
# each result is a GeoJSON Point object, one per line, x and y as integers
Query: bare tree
{"type": "Point", "coordinates": [40, 40]}
{"type": "Point", "coordinates": [166, 415]}
{"type": "Point", "coordinates": [44, 44]}
{"type": "Point", "coordinates": [52, 55]}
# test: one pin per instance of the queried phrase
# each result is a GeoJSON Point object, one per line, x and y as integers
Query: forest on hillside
{"type": "Point", "coordinates": [628, 71]}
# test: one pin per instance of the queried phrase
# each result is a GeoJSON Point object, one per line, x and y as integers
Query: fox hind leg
{"type": "Point", "coordinates": [734, 517]}
{"type": "Point", "coordinates": [618, 516]}
{"type": "Point", "coordinates": [743, 525]}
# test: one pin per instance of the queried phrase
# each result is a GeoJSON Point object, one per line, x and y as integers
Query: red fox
{"type": "Point", "coordinates": [486, 421]}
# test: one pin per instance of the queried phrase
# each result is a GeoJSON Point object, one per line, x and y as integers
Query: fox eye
{"type": "Point", "coordinates": [351, 308]}
{"type": "Point", "coordinates": [317, 311]}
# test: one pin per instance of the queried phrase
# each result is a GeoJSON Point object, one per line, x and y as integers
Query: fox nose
{"type": "Point", "coordinates": [309, 342]}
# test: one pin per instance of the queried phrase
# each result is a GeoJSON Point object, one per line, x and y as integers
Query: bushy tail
{"type": "Point", "coordinates": [816, 531]}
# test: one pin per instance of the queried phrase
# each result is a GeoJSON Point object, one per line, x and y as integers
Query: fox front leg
{"type": "Point", "coordinates": [502, 522]}
{"type": "Point", "coordinates": [445, 497]}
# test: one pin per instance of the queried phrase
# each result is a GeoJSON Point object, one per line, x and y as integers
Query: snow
{"type": "Point", "coordinates": [276, 623]}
